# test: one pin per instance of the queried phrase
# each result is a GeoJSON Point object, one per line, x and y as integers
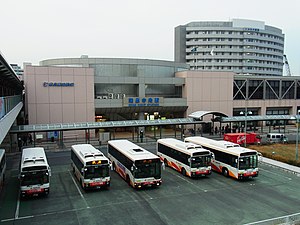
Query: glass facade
{"type": "Point", "coordinates": [254, 88]}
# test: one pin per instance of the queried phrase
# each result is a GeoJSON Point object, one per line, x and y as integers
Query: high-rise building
{"type": "Point", "coordinates": [242, 46]}
{"type": "Point", "coordinates": [18, 70]}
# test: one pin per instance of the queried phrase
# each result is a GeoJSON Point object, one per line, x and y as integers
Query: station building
{"type": "Point", "coordinates": [97, 89]}
{"type": "Point", "coordinates": [67, 90]}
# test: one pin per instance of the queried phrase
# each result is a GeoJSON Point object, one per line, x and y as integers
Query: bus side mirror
{"type": "Point", "coordinates": [49, 169]}
{"type": "Point", "coordinates": [133, 168]}
{"type": "Point", "coordinates": [212, 155]}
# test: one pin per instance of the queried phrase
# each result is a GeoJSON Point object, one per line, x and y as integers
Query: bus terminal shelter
{"type": "Point", "coordinates": [195, 119]}
{"type": "Point", "coordinates": [135, 125]}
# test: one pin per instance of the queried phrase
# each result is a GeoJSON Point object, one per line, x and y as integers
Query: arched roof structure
{"type": "Point", "coordinates": [198, 115]}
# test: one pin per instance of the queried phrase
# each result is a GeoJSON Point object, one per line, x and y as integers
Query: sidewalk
{"type": "Point", "coordinates": [284, 166]}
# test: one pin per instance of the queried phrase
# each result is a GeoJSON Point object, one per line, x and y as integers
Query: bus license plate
{"type": "Point", "coordinates": [97, 183]}
{"type": "Point", "coordinates": [35, 190]}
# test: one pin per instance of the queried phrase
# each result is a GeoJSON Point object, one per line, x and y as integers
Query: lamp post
{"type": "Point", "coordinates": [297, 136]}
{"type": "Point", "coordinates": [246, 114]}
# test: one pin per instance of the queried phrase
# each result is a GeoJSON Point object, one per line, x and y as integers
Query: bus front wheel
{"type": "Point", "coordinates": [183, 172]}
{"type": "Point", "coordinates": [128, 180]}
{"type": "Point", "coordinates": [166, 162]}
{"type": "Point", "coordinates": [225, 172]}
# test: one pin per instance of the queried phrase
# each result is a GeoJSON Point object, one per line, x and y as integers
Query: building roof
{"type": "Point", "coordinates": [100, 125]}
{"type": "Point", "coordinates": [199, 114]}
{"type": "Point", "coordinates": [9, 75]}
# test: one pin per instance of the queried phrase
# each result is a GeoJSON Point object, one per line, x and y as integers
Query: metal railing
{"type": "Point", "coordinates": [8, 103]}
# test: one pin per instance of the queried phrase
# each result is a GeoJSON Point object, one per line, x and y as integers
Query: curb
{"type": "Point", "coordinates": [282, 167]}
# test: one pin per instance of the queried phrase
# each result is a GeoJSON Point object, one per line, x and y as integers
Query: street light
{"type": "Point", "coordinates": [246, 114]}
{"type": "Point", "coordinates": [297, 136]}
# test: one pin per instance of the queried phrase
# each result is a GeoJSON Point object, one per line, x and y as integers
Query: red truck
{"type": "Point", "coordinates": [239, 138]}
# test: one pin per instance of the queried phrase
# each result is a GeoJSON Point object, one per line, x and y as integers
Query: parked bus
{"type": "Point", "coordinates": [187, 158]}
{"type": "Point", "coordinates": [2, 167]}
{"type": "Point", "coordinates": [229, 158]}
{"type": "Point", "coordinates": [34, 172]}
{"type": "Point", "coordinates": [137, 166]}
{"type": "Point", "coordinates": [90, 166]}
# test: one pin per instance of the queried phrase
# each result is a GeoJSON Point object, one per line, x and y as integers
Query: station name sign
{"type": "Point", "coordinates": [58, 84]}
{"type": "Point", "coordinates": [251, 29]}
{"type": "Point", "coordinates": [145, 101]}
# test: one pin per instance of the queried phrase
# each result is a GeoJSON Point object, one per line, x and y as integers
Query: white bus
{"type": "Point", "coordinates": [90, 166]}
{"type": "Point", "coordinates": [139, 167]}
{"type": "Point", "coordinates": [2, 167]}
{"type": "Point", "coordinates": [229, 158]}
{"type": "Point", "coordinates": [34, 172]}
{"type": "Point", "coordinates": [187, 158]}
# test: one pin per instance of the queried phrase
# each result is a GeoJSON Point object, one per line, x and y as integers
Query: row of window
{"type": "Point", "coordinates": [238, 33]}
{"type": "Point", "coordinates": [120, 157]}
{"type": "Point", "coordinates": [237, 54]}
{"type": "Point", "coordinates": [224, 157]}
{"type": "Point", "coordinates": [278, 112]}
{"type": "Point", "coordinates": [240, 61]}
{"type": "Point", "coordinates": [194, 65]}
{"type": "Point", "coordinates": [235, 47]}
{"type": "Point", "coordinates": [76, 161]}
{"type": "Point", "coordinates": [236, 40]}
{"type": "Point", "coordinates": [177, 155]}
{"type": "Point", "coordinates": [273, 90]}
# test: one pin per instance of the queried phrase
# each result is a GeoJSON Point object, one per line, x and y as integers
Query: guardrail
{"type": "Point", "coordinates": [8, 103]}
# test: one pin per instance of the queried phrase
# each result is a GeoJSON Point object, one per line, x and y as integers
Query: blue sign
{"type": "Point", "coordinates": [58, 84]}
{"type": "Point", "coordinates": [145, 101]}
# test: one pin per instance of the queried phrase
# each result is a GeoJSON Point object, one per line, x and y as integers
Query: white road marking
{"type": "Point", "coordinates": [275, 218]}
{"type": "Point", "coordinates": [18, 207]}
{"type": "Point", "coordinates": [186, 180]}
{"type": "Point", "coordinates": [79, 191]}
{"type": "Point", "coordinates": [275, 174]}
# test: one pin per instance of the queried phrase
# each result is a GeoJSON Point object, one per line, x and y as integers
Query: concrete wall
{"type": "Point", "coordinates": [59, 104]}
{"type": "Point", "coordinates": [208, 91]}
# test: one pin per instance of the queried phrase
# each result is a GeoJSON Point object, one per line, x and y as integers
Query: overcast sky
{"type": "Point", "coordinates": [35, 30]}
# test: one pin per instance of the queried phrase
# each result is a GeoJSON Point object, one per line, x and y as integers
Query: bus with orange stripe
{"type": "Point", "coordinates": [189, 159]}
{"type": "Point", "coordinates": [90, 166]}
{"type": "Point", "coordinates": [230, 159]}
{"type": "Point", "coordinates": [137, 166]}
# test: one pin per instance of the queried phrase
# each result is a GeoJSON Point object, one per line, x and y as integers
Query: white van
{"type": "Point", "coordinates": [276, 138]}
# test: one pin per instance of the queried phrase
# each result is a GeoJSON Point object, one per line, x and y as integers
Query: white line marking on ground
{"type": "Point", "coordinates": [79, 191]}
{"type": "Point", "coordinates": [275, 174]}
{"type": "Point", "coordinates": [18, 207]}
{"type": "Point", "coordinates": [275, 218]}
{"type": "Point", "coordinates": [186, 180]}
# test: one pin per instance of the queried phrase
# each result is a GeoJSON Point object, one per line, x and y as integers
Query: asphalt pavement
{"type": "Point", "coordinates": [180, 200]}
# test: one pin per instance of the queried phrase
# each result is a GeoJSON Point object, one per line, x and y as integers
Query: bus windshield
{"type": "Point", "coordinates": [200, 161]}
{"type": "Point", "coordinates": [91, 172]}
{"type": "Point", "coordinates": [33, 178]}
{"type": "Point", "coordinates": [148, 168]}
{"type": "Point", "coordinates": [248, 162]}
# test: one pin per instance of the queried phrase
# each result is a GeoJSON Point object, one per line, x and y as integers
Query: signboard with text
{"type": "Point", "coordinates": [142, 101]}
